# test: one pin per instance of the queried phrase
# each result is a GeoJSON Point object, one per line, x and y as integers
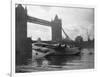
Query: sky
{"type": "Point", "coordinates": [75, 21]}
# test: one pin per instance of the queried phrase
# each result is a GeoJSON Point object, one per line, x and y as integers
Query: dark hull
{"type": "Point", "coordinates": [66, 51]}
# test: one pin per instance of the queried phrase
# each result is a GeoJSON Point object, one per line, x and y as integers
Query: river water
{"type": "Point", "coordinates": [57, 63]}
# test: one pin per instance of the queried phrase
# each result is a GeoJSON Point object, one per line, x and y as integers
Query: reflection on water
{"type": "Point", "coordinates": [50, 63]}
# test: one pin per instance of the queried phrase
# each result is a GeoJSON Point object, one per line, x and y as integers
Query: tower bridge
{"type": "Point", "coordinates": [23, 43]}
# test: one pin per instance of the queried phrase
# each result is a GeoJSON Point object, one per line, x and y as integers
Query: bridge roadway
{"type": "Point", "coordinates": [38, 21]}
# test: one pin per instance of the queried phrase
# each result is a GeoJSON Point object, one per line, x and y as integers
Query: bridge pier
{"type": "Point", "coordinates": [23, 44]}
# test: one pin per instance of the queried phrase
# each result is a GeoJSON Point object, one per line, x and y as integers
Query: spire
{"type": "Point", "coordinates": [56, 17]}
{"type": "Point", "coordinates": [26, 10]}
{"type": "Point", "coordinates": [20, 6]}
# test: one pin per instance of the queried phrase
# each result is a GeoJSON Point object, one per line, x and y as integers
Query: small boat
{"type": "Point", "coordinates": [67, 50]}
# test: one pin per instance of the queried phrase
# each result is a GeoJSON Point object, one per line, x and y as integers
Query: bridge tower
{"type": "Point", "coordinates": [56, 26]}
{"type": "Point", "coordinates": [23, 44]}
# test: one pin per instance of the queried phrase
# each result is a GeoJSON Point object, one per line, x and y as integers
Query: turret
{"type": "Point", "coordinates": [56, 25]}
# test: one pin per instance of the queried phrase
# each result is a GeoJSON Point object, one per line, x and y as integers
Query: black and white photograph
{"type": "Point", "coordinates": [53, 38]}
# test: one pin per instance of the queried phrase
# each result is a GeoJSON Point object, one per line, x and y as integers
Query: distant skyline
{"type": "Point", "coordinates": [75, 21]}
